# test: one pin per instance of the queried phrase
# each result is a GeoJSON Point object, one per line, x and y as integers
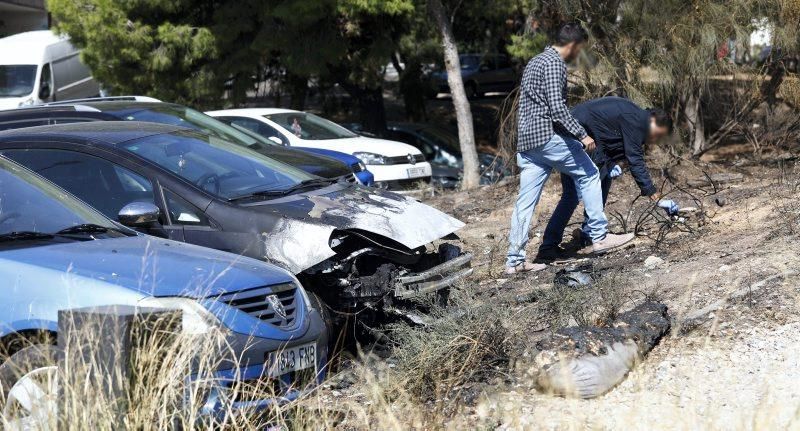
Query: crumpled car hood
{"type": "Point", "coordinates": [300, 239]}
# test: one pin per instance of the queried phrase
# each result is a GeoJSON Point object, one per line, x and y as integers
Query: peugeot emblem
{"type": "Point", "coordinates": [277, 306]}
{"type": "Point", "coordinates": [412, 159]}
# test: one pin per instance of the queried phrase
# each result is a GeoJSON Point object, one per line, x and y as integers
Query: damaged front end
{"type": "Point", "coordinates": [374, 271]}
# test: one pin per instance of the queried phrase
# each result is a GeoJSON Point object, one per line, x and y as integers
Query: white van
{"type": "Point", "coordinates": [39, 67]}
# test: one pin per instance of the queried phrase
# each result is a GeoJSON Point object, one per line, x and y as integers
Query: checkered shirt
{"type": "Point", "coordinates": [543, 102]}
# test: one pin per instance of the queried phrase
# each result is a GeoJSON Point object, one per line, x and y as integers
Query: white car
{"type": "Point", "coordinates": [396, 165]}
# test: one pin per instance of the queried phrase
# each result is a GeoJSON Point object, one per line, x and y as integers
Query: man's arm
{"type": "Point", "coordinates": [555, 76]}
{"type": "Point", "coordinates": [633, 138]}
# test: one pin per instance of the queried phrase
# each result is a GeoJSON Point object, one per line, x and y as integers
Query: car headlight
{"type": "Point", "coordinates": [371, 158]}
{"type": "Point", "coordinates": [361, 167]}
{"type": "Point", "coordinates": [26, 102]}
{"type": "Point", "coordinates": [197, 320]}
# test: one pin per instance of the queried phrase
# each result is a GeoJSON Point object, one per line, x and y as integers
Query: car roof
{"type": "Point", "coordinates": [102, 132]}
{"type": "Point", "coordinates": [252, 111]}
{"type": "Point", "coordinates": [85, 106]}
{"type": "Point", "coordinates": [28, 47]}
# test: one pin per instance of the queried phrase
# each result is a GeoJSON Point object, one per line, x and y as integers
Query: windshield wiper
{"type": "Point", "coordinates": [321, 182]}
{"type": "Point", "coordinates": [25, 236]}
{"type": "Point", "coordinates": [87, 228]}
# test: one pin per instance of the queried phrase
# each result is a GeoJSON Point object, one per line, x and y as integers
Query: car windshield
{"type": "Point", "coordinates": [29, 203]}
{"type": "Point", "coordinates": [309, 126]}
{"type": "Point", "coordinates": [186, 117]}
{"type": "Point", "coordinates": [219, 167]}
{"type": "Point", "coordinates": [17, 80]}
{"type": "Point", "coordinates": [442, 138]}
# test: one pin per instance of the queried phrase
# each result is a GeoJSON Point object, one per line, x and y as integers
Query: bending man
{"type": "Point", "coordinates": [620, 130]}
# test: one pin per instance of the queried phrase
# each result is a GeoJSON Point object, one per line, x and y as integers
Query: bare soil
{"type": "Point", "coordinates": [739, 370]}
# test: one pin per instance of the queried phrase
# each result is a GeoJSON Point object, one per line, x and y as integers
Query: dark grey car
{"type": "Point", "coordinates": [353, 246]}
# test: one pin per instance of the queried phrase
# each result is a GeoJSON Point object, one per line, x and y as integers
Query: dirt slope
{"type": "Point", "coordinates": [738, 370]}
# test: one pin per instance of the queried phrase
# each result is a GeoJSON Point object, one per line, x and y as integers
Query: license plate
{"type": "Point", "coordinates": [416, 172]}
{"type": "Point", "coordinates": [292, 359]}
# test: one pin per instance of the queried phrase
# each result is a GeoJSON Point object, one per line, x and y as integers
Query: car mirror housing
{"type": "Point", "coordinates": [276, 140]}
{"type": "Point", "coordinates": [138, 214]}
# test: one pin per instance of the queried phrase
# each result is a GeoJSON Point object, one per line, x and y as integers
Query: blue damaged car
{"type": "Point", "coordinates": [57, 253]}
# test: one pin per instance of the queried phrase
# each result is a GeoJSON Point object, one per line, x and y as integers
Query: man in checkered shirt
{"type": "Point", "coordinates": [548, 138]}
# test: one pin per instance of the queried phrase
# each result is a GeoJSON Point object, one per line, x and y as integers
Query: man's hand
{"type": "Point", "coordinates": [588, 144]}
{"type": "Point", "coordinates": [615, 171]}
{"type": "Point", "coordinates": [669, 206]}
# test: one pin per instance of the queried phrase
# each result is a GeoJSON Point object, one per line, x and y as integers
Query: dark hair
{"type": "Point", "coordinates": [663, 119]}
{"type": "Point", "coordinates": [571, 32]}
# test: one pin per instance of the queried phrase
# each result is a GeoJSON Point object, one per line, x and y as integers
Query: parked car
{"type": "Point", "coordinates": [57, 253]}
{"type": "Point", "coordinates": [442, 149]}
{"type": "Point", "coordinates": [138, 108]}
{"type": "Point", "coordinates": [38, 66]}
{"type": "Point", "coordinates": [360, 170]}
{"type": "Point", "coordinates": [481, 74]}
{"type": "Point", "coordinates": [353, 246]}
{"type": "Point", "coordinates": [396, 166]}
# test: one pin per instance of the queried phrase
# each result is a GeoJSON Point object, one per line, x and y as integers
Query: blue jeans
{"type": "Point", "coordinates": [554, 232]}
{"type": "Point", "coordinates": [567, 156]}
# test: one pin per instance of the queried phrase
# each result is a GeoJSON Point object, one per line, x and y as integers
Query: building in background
{"type": "Point", "coordinates": [17, 16]}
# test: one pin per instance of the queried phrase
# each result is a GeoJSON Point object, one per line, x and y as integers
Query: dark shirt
{"type": "Point", "coordinates": [543, 102]}
{"type": "Point", "coordinates": [620, 129]}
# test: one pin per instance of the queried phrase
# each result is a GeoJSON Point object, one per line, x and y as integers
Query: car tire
{"type": "Point", "coordinates": [31, 372]}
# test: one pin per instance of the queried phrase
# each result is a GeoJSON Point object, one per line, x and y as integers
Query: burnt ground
{"type": "Point", "coordinates": [739, 369]}
{"type": "Point", "coordinates": [735, 368]}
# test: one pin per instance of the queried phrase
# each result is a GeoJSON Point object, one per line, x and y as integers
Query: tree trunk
{"type": "Point", "coordinates": [298, 91]}
{"type": "Point", "coordinates": [466, 133]}
{"type": "Point", "coordinates": [697, 130]}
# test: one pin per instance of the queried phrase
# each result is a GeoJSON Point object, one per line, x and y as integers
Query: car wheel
{"type": "Point", "coordinates": [30, 388]}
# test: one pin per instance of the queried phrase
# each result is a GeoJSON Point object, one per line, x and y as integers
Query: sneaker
{"type": "Point", "coordinates": [525, 267]}
{"type": "Point", "coordinates": [611, 242]}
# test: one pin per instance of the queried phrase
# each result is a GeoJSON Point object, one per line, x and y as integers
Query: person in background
{"type": "Point", "coordinates": [549, 137]}
{"type": "Point", "coordinates": [620, 129]}
{"type": "Point", "coordinates": [297, 129]}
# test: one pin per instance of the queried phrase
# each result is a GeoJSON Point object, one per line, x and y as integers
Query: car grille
{"type": "Point", "coordinates": [276, 305]}
{"type": "Point", "coordinates": [402, 160]}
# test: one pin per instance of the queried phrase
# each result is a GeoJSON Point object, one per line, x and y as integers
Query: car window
{"type": "Point", "coordinates": [488, 62]}
{"type": "Point", "coordinates": [183, 212]}
{"type": "Point", "coordinates": [104, 185]}
{"type": "Point", "coordinates": [256, 126]}
{"type": "Point", "coordinates": [309, 126]}
{"type": "Point", "coordinates": [19, 124]}
{"type": "Point", "coordinates": [16, 80]}
{"type": "Point", "coordinates": [413, 140]}
{"type": "Point", "coordinates": [222, 169]}
{"type": "Point", "coordinates": [469, 61]}
{"type": "Point", "coordinates": [29, 203]}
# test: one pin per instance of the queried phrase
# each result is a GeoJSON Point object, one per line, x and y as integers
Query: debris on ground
{"type": "Point", "coordinates": [586, 362]}
{"type": "Point", "coordinates": [653, 262]}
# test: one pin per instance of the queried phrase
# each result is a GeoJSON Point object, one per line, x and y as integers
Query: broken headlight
{"type": "Point", "coordinates": [371, 158]}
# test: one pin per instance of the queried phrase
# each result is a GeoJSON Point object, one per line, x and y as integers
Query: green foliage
{"type": "Point", "coordinates": [140, 47]}
{"type": "Point", "coordinates": [525, 46]}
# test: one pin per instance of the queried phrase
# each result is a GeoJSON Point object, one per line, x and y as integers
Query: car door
{"type": "Point", "coordinates": [100, 179]}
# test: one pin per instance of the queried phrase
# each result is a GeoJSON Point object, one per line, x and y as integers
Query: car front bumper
{"type": "Point", "coordinates": [405, 171]}
{"type": "Point", "coordinates": [227, 388]}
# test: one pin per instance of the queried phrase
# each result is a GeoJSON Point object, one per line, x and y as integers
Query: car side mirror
{"type": "Point", "coordinates": [276, 140]}
{"type": "Point", "coordinates": [138, 214]}
{"type": "Point", "coordinates": [44, 91]}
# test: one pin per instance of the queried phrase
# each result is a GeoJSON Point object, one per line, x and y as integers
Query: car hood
{"type": "Point", "coordinates": [149, 265]}
{"type": "Point", "coordinates": [363, 144]}
{"type": "Point", "coordinates": [300, 238]}
{"type": "Point", "coordinates": [11, 102]}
